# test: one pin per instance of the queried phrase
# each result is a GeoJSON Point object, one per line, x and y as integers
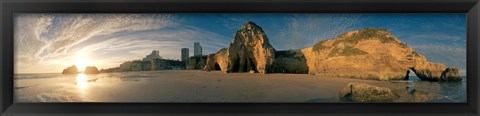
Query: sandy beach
{"type": "Point", "coordinates": [190, 86]}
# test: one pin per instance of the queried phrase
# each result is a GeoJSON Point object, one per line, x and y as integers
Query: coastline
{"type": "Point", "coordinates": [189, 86]}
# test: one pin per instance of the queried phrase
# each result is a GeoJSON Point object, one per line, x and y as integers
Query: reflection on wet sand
{"type": "Point", "coordinates": [81, 81]}
{"type": "Point", "coordinates": [422, 91]}
{"type": "Point", "coordinates": [82, 84]}
{"type": "Point", "coordinates": [198, 86]}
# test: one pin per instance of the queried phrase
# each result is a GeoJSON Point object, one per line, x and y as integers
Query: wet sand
{"type": "Point", "coordinates": [185, 86]}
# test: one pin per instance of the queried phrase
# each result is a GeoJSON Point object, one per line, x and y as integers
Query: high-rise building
{"type": "Point", "coordinates": [185, 54]}
{"type": "Point", "coordinates": [152, 56]}
{"type": "Point", "coordinates": [197, 49]}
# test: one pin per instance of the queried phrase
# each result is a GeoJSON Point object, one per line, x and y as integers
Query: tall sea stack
{"type": "Point", "coordinates": [249, 51]}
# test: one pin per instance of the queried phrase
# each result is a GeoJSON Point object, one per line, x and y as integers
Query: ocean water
{"type": "Point", "coordinates": [452, 91]}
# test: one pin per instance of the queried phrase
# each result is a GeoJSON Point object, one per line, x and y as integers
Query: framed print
{"type": "Point", "coordinates": [255, 57]}
{"type": "Point", "coordinates": [277, 58]}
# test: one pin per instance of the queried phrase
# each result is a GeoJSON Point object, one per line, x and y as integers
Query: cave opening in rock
{"type": "Point", "coordinates": [246, 67]}
{"type": "Point", "coordinates": [410, 75]}
{"type": "Point", "coordinates": [236, 65]}
{"type": "Point", "coordinates": [251, 66]}
{"type": "Point", "coordinates": [217, 67]}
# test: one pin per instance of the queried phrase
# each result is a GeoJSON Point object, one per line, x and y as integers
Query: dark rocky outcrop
{"type": "Point", "coordinates": [290, 61]}
{"type": "Point", "coordinates": [196, 62]}
{"type": "Point", "coordinates": [70, 70]}
{"type": "Point", "coordinates": [451, 74]}
{"type": "Point", "coordinates": [91, 70]}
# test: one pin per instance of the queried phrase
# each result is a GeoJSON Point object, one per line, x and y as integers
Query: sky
{"type": "Point", "coordinates": [48, 43]}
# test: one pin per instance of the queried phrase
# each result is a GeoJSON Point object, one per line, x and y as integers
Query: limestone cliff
{"type": "Point", "coordinates": [371, 53]}
{"type": "Point", "coordinates": [250, 50]}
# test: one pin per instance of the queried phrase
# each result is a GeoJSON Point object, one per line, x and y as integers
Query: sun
{"type": "Point", "coordinates": [81, 65]}
{"type": "Point", "coordinates": [82, 62]}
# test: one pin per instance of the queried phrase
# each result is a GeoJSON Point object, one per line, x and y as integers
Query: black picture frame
{"type": "Point", "coordinates": [9, 7]}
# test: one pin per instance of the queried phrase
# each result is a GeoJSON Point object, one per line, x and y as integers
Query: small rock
{"type": "Point", "coordinates": [410, 90]}
{"type": "Point", "coordinates": [451, 74]}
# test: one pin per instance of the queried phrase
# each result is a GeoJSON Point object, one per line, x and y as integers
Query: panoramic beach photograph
{"type": "Point", "coordinates": [240, 58]}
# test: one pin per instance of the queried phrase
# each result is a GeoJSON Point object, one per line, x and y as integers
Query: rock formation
{"type": "Point", "coordinates": [290, 61]}
{"type": "Point", "coordinates": [211, 64]}
{"type": "Point", "coordinates": [451, 74]}
{"type": "Point", "coordinates": [361, 92]}
{"type": "Point", "coordinates": [91, 70]}
{"type": "Point", "coordinates": [196, 62]}
{"type": "Point", "coordinates": [371, 53]}
{"type": "Point", "coordinates": [250, 50]}
{"type": "Point", "coordinates": [70, 70]}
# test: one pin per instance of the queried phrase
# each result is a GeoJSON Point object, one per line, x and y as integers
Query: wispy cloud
{"type": "Point", "coordinates": [450, 56]}
{"type": "Point", "coordinates": [304, 30]}
{"type": "Point", "coordinates": [50, 42]}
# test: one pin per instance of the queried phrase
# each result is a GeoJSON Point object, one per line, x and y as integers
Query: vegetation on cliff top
{"type": "Point", "coordinates": [346, 51]}
{"type": "Point", "coordinates": [319, 46]}
{"type": "Point", "coordinates": [363, 34]}
{"type": "Point", "coordinates": [368, 33]}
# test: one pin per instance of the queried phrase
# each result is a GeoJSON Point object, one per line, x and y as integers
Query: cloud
{"type": "Point", "coordinates": [450, 56]}
{"type": "Point", "coordinates": [50, 42]}
{"type": "Point", "coordinates": [434, 38]}
{"type": "Point", "coordinates": [233, 22]}
{"type": "Point", "coordinates": [304, 30]}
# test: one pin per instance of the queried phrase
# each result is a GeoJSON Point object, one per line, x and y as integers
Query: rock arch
{"type": "Point", "coordinates": [409, 71]}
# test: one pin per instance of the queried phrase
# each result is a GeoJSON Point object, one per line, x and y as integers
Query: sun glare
{"type": "Point", "coordinates": [81, 65]}
{"type": "Point", "coordinates": [82, 81]}
{"type": "Point", "coordinates": [82, 62]}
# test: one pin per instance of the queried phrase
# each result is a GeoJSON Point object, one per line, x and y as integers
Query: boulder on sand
{"type": "Point", "coordinates": [361, 92]}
